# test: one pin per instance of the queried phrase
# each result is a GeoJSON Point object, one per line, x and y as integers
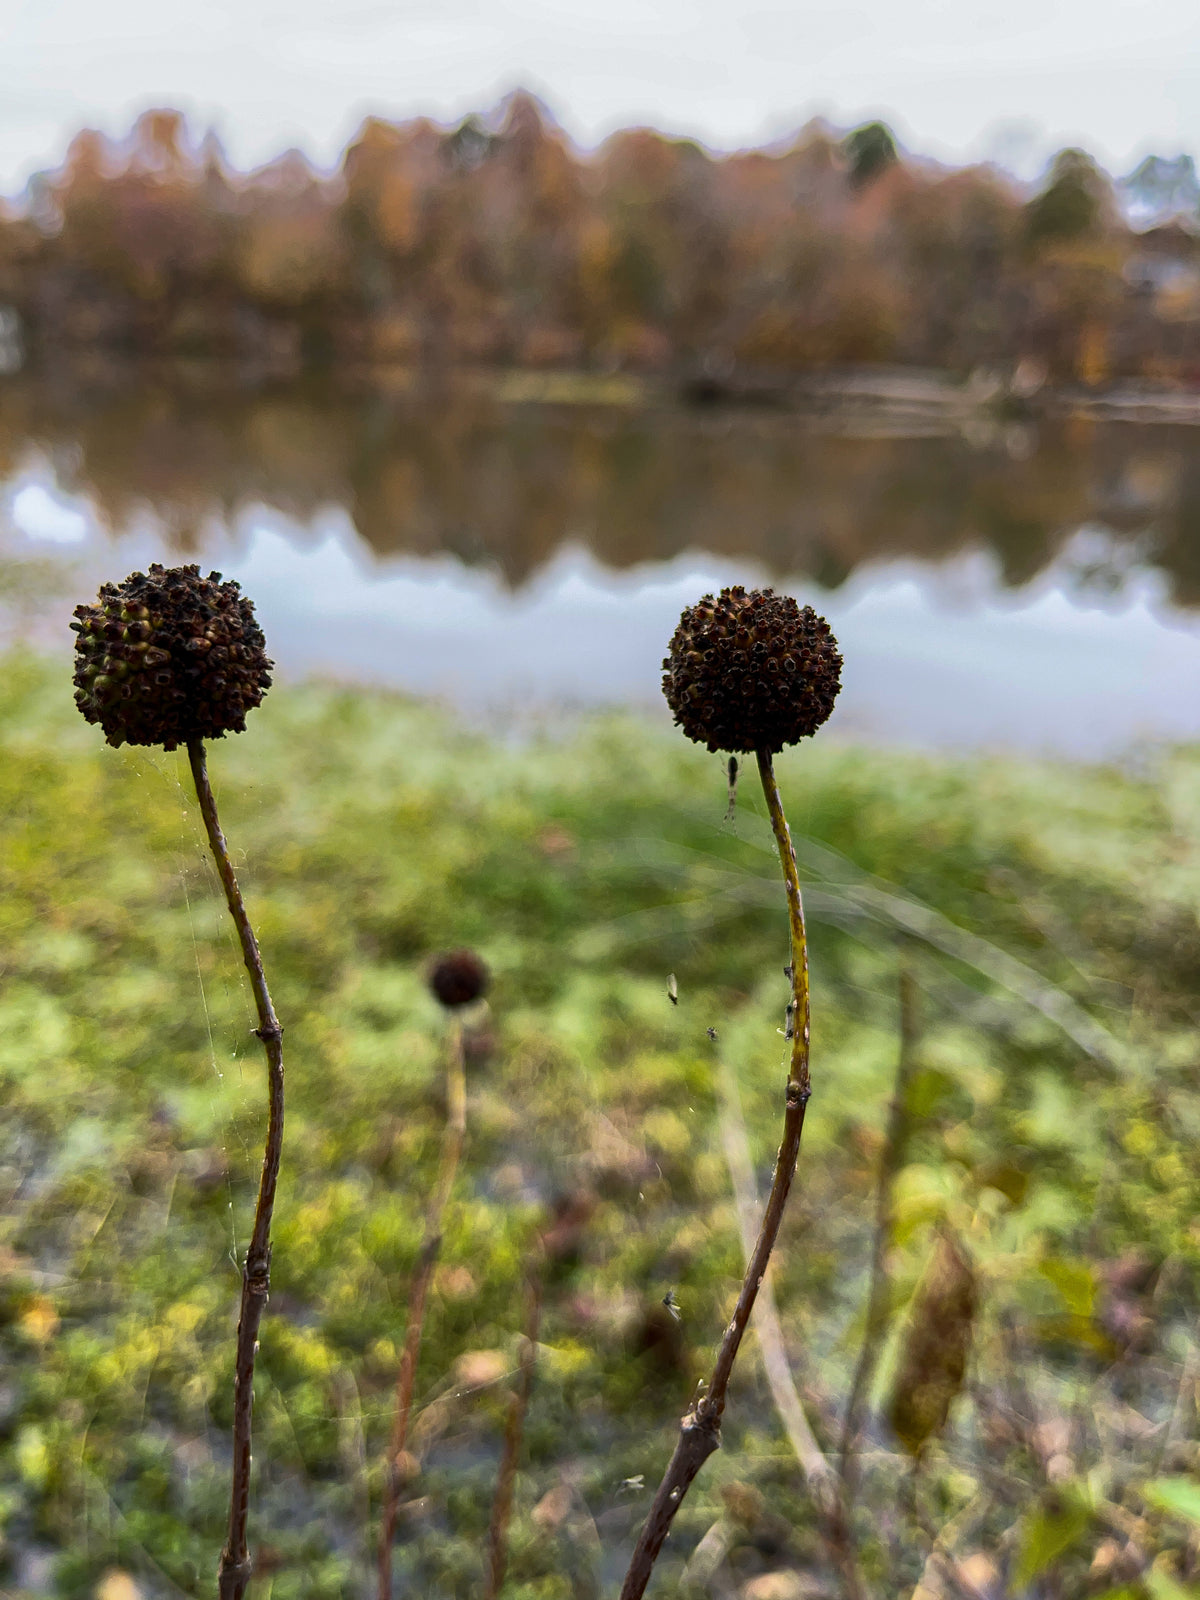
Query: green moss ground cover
{"type": "Point", "coordinates": [1049, 917]}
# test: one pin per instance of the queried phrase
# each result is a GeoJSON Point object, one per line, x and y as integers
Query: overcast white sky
{"type": "Point", "coordinates": [957, 78]}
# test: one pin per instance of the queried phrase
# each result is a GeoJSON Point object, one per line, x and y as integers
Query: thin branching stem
{"type": "Point", "coordinates": [233, 1574]}
{"type": "Point", "coordinates": [700, 1430]}
{"type": "Point", "coordinates": [879, 1294]}
{"type": "Point", "coordinates": [452, 1143]}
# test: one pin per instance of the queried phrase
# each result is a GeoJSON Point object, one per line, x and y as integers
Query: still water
{"type": "Point", "coordinates": [999, 586]}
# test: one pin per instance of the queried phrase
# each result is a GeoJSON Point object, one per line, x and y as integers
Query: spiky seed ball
{"type": "Point", "coordinates": [169, 656]}
{"type": "Point", "coordinates": [459, 977]}
{"type": "Point", "coordinates": [751, 670]}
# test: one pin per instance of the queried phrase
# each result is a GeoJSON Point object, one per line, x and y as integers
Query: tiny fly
{"type": "Point", "coordinates": [733, 775]}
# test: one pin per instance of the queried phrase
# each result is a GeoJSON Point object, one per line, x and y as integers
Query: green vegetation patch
{"type": "Point", "coordinates": [1047, 916]}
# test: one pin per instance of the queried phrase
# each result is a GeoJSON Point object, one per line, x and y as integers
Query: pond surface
{"type": "Point", "coordinates": [999, 586]}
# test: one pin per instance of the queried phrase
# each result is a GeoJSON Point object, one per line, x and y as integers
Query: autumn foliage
{"type": "Point", "coordinates": [497, 242]}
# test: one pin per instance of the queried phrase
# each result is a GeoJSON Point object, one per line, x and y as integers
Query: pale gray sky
{"type": "Point", "coordinates": [957, 78]}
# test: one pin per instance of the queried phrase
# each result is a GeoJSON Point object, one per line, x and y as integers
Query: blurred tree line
{"type": "Point", "coordinates": [497, 243]}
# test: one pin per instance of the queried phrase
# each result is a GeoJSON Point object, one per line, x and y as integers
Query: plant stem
{"type": "Point", "coordinates": [514, 1428]}
{"type": "Point", "coordinates": [452, 1143]}
{"type": "Point", "coordinates": [700, 1430]}
{"type": "Point", "coordinates": [234, 1571]}
{"type": "Point", "coordinates": [822, 1482]}
{"type": "Point", "coordinates": [879, 1294]}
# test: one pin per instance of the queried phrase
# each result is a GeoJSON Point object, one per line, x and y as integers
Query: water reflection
{"type": "Point", "coordinates": [510, 485]}
{"type": "Point", "coordinates": [538, 552]}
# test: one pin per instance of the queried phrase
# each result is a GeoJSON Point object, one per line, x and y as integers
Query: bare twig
{"type": "Point", "coordinates": [514, 1429]}
{"type": "Point", "coordinates": [820, 1477]}
{"type": "Point", "coordinates": [452, 1143]}
{"type": "Point", "coordinates": [700, 1430]}
{"type": "Point", "coordinates": [890, 1162]}
{"type": "Point", "coordinates": [235, 1567]}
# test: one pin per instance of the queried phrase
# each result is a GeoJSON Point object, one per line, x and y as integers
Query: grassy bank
{"type": "Point", "coordinates": [1048, 917]}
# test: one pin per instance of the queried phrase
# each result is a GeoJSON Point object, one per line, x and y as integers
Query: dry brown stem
{"type": "Point", "coordinates": [700, 1430]}
{"type": "Point", "coordinates": [234, 1571]}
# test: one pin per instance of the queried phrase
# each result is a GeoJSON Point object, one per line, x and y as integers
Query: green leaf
{"type": "Point", "coordinates": [1048, 1533]}
{"type": "Point", "coordinates": [928, 1089]}
{"type": "Point", "coordinates": [32, 1456]}
{"type": "Point", "coordinates": [1006, 1178]}
{"type": "Point", "coordinates": [1180, 1497]}
{"type": "Point", "coordinates": [1074, 1281]}
{"type": "Point", "coordinates": [1160, 1585]}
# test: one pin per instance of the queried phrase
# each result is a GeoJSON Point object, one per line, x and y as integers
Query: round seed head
{"type": "Point", "coordinates": [751, 670]}
{"type": "Point", "coordinates": [168, 656]}
{"type": "Point", "coordinates": [459, 977]}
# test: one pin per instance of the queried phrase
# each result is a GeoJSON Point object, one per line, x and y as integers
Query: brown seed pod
{"type": "Point", "coordinates": [936, 1343]}
{"type": "Point", "coordinates": [751, 670]}
{"type": "Point", "coordinates": [459, 977]}
{"type": "Point", "coordinates": [168, 656]}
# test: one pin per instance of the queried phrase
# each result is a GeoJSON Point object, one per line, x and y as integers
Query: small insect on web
{"type": "Point", "coordinates": [672, 989]}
